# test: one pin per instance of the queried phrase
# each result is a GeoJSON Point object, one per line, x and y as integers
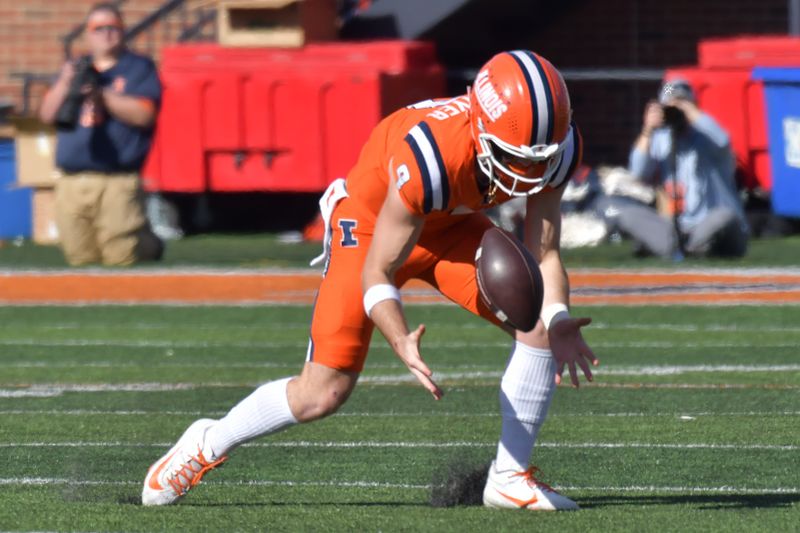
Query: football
{"type": "Point", "coordinates": [509, 280]}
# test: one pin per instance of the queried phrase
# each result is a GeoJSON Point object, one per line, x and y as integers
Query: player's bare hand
{"type": "Point", "coordinates": [570, 350]}
{"type": "Point", "coordinates": [408, 351]}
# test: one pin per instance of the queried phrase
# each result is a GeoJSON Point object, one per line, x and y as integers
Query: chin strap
{"type": "Point", "coordinates": [492, 192]}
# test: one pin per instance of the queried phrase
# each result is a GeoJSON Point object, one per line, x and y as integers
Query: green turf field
{"type": "Point", "coordinates": [693, 423]}
{"type": "Point", "coordinates": [266, 250]}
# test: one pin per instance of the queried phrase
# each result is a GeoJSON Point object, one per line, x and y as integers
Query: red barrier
{"type": "Point", "coordinates": [748, 51]}
{"type": "Point", "coordinates": [265, 119]}
{"type": "Point", "coordinates": [737, 103]}
{"type": "Point", "coordinates": [725, 90]}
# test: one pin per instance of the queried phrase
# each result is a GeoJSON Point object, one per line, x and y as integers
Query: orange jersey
{"type": "Point", "coordinates": [428, 152]}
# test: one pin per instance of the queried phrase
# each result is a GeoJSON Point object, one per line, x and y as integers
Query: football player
{"type": "Point", "coordinates": [411, 208]}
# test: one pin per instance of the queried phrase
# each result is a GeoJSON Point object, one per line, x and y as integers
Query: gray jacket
{"type": "Point", "coordinates": [705, 164]}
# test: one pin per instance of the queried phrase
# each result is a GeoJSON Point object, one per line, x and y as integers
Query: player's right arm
{"type": "Point", "coordinates": [396, 233]}
{"type": "Point", "coordinates": [418, 184]}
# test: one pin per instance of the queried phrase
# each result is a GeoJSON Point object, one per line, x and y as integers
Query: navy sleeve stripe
{"type": "Point", "coordinates": [423, 169]}
{"type": "Point", "coordinates": [444, 182]}
{"type": "Point", "coordinates": [435, 184]}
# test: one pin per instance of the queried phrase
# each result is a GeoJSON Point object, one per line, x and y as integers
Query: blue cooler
{"type": "Point", "coordinates": [15, 203]}
{"type": "Point", "coordinates": [782, 95]}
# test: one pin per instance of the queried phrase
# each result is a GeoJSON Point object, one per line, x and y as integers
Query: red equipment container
{"type": "Point", "coordinates": [747, 51]}
{"type": "Point", "coordinates": [724, 88]}
{"type": "Point", "coordinates": [266, 119]}
{"type": "Point", "coordinates": [737, 103]}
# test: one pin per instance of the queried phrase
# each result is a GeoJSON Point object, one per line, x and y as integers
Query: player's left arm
{"type": "Point", "coordinates": [396, 233]}
{"type": "Point", "coordinates": [556, 327]}
{"type": "Point", "coordinates": [138, 104]}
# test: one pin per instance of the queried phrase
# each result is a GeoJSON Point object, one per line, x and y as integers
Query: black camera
{"type": "Point", "coordinates": [673, 117]}
{"type": "Point", "coordinates": [70, 110]}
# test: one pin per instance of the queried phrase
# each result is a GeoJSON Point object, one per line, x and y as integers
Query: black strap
{"type": "Point", "coordinates": [673, 161]}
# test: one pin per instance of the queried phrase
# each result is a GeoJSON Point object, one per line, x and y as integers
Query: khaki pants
{"type": "Point", "coordinates": [101, 219]}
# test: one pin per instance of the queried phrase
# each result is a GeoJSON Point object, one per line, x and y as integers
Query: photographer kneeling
{"type": "Point", "coordinates": [104, 106]}
{"type": "Point", "coordinates": [687, 156]}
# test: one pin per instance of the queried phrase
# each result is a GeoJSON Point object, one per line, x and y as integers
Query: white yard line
{"type": "Point", "coordinates": [419, 445]}
{"type": "Point", "coordinates": [473, 324]}
{"type": "Point", "coordinates": [41, 481]}
{"type": "Point", "coordinates": [60, 388]}
{"type": "Point", "coordinates": [610, 370]}
{"type": "Point", "coordinates": [154, 344]}
{"type": "Point", "coordinates": [190, 271]}
{"type": "Point", "coordinates": [11, 325]}
{"type": "Point", "coordinates": [669, 370]}
{"type": "Point", "coordinates": [123, 412]}
{"type": "Point", "coordinates": [743, 328]}
{"type": "Point", "coordinates": [178, 304]}
{"type": "Point", "coordinates": [653, 370]}
{"type": "Point", "coordinates": [501, 345]}
{"type": "Point", "coordinates": [38, 481]}
{"type": "Point", "coordinates": [684, 344]}
{"type": "Point", "coordinates": [695, 386]}
{"type": "Point", "coordinates": [45, 391]}
{"type": "Point", "coordinates": [654, 488]}
{"type": "Point", "coordinates": [164, 363]}
{"type": "Point", "coordinates": [92, 412]}
{"type": "Point", "coordinates": [182, 270]}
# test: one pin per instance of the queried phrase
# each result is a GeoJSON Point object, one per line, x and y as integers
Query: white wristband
{"type": "Point", "coordinates": [379, 293]}
{"type": "Point", "coordinates": [553, 314]}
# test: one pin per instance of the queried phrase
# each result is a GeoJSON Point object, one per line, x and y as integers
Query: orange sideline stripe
{"type": "Point", "coordinates": [299, 288]}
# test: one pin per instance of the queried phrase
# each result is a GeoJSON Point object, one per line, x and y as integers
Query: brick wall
{"type": "Point", "coordinates": [31, 32]}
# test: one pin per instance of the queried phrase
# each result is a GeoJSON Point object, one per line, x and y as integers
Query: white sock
{"type": "Point", "coordinates": [525, 394]}
{"type": "Point", "coordinates": [265, 411]}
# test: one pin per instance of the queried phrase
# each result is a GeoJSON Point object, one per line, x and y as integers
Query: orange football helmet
{"type": "Point", "coordinates": [520, 117]}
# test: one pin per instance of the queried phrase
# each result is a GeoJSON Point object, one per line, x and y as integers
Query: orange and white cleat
{"type": "Point", "coordinates": [181, 468]}
{"type": "Point", "coordinates": [521, 490]}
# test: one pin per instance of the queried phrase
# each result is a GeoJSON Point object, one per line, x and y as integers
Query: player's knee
{"type": "Point", "coordinates": [323, 402]}
{"type": "Point", "coordinates": [319, 392]}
